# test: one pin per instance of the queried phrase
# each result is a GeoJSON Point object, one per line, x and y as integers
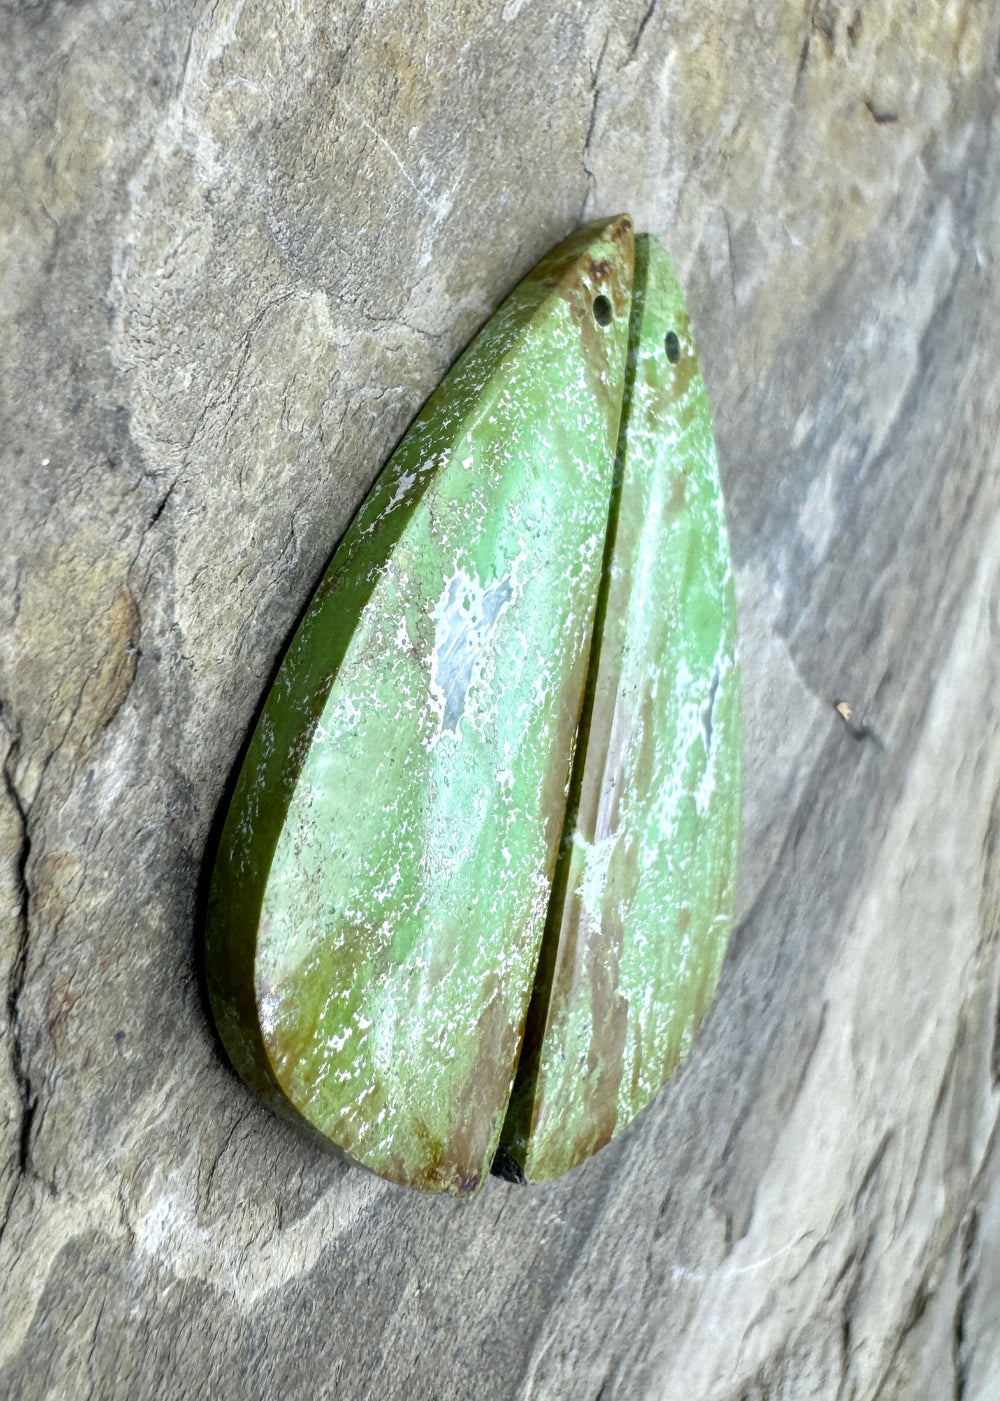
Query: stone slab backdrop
{"type": "Point", "coordinates": [240, 242]}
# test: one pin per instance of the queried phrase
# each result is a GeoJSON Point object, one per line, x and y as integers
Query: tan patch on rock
{"type": "Point", "coordinates": [74, 648]}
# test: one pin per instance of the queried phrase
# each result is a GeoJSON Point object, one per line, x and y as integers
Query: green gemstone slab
{"type": "Point", "coordinates": [644, 888]}
{"type": "Point", "coordinates": [382, 880]}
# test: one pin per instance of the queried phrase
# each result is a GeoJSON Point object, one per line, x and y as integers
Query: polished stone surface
{"type": "Point", "coordinates": [644, 890]}
{"type": "Point", "coordinates": [384, 872]}
{"type": "Point", "coordinates": [522, 660]}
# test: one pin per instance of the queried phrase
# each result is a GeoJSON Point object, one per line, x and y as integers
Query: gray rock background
{"type": "Point", "coordinates": [239, 244]}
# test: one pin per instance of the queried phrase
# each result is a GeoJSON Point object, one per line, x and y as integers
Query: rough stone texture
{"type": "Point", "coordinates": [240, 243]}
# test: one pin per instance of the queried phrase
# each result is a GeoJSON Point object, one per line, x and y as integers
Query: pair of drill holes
{"type": "Point", "coordinates": [604, 315]}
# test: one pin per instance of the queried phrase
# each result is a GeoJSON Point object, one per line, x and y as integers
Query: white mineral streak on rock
{"type": "Point", "coordinates": [932, 865]}
{"type": "Point", "coordinates": [164, 1219]}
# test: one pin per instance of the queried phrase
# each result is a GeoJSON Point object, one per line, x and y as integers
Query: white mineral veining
{"type": "Point", "coordinates": [465, 618]}
{"type": "Point", "coordinates": [268, 1013]}
{"type": "Point", "coordinates": [403, 486]}
{"type": "Point", "coordinates": [594, 877]}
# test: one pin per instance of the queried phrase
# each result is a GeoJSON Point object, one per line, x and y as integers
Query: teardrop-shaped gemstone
{"type": "Point", "coordinates": [385, 868]}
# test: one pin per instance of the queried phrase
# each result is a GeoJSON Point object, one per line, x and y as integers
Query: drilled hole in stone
{"type": "Point", "coordinates": [603, 311]}
{"type": "Point", "coordinates": [672, 345]}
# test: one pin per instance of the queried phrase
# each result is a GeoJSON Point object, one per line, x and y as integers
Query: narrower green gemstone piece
{"type": "Point", "coordinates": [643, 895]}
{"type": "Point", "coordinates": [383, 876]}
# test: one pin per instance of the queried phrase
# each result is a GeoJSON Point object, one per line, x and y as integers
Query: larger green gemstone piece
{"type": "Point", "coordinates": [384, 873]}
{"type": "Point", "coordinates": [475, 883]}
